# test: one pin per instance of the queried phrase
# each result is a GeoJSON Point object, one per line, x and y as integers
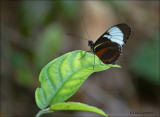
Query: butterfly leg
{"type": "Point", "coordinates": [94, 62]}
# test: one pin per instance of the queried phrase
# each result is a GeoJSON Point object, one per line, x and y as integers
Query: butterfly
{"type": "Point", "coordinates": [108, 46]}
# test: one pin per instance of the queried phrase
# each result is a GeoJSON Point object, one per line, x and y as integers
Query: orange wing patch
{"type": "Point", "coordinates": [111, 57]}
{"type": "Point", "coordinates": [100, 52]}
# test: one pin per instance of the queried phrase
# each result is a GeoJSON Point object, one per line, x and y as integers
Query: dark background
{"type": "Point", "coordinates": [34, 32]}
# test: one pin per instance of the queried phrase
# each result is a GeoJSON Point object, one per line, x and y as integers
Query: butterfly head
{"type": "Point", "coordinates": [91, 44]}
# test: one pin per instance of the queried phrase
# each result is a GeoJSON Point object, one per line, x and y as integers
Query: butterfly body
{"type": "Point", "coordinates": [109, 46]}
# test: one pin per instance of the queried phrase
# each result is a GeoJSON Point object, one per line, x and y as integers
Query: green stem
{"type": "Point", "coordinates": [44, 111]}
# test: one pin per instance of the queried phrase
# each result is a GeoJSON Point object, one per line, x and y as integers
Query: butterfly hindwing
{"type": "Point", "coordinates": [108, 52]}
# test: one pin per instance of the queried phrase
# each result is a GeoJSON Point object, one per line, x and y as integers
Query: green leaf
{"type": "Point", "coordinates": [76, 106]}
{"type": "Point", "coordinates": [62, 77]}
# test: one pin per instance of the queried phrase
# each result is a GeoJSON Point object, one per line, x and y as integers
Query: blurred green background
{"type": "Point", "coordinates": [34, 32]}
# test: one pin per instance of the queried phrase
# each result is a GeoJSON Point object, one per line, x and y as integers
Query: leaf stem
{"type": "Point", "coordinates": [44, 111]}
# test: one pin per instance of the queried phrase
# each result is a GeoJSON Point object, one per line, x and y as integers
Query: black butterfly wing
{"type": "Point", "coordinates": [108, 52]}
{"type": "Point", "coordinates": [108, 47]}
{"type": "Point", "coordinates": [118, 33]}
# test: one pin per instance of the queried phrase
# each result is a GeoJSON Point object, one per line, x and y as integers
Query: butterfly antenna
{"type": "Point", "coordinates": [86, 29]}
{"type": "Point", "coordinates": [77, 36]}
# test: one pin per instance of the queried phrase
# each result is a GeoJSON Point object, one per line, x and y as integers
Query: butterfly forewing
{"type": "Point", "coordinates": [118, 33]}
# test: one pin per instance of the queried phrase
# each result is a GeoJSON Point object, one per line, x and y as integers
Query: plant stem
{"type": "Point", "coordinates": [44, 111]}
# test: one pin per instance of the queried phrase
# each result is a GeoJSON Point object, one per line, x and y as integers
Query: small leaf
{"type": "Point", "coordinates": [76, 106]}
{"type": "Point", "coordinates": [62, 77]}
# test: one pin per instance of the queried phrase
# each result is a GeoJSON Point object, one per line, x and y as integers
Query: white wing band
{"type": "Point", "coordinates": [116, 35]}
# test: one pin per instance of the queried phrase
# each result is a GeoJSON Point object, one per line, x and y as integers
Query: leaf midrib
{"type": "Point", "coordinates": [65, 82]}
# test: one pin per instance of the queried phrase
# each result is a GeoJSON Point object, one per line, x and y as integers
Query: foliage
{"type": "Point", "coordinates": [62, 77]}
{"type": "Point", "coordinates": [76, 106]}
{"type": "Point", "coordinates": [148, 54]}
{"type": "Point", "coordinates": [49, 43]}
